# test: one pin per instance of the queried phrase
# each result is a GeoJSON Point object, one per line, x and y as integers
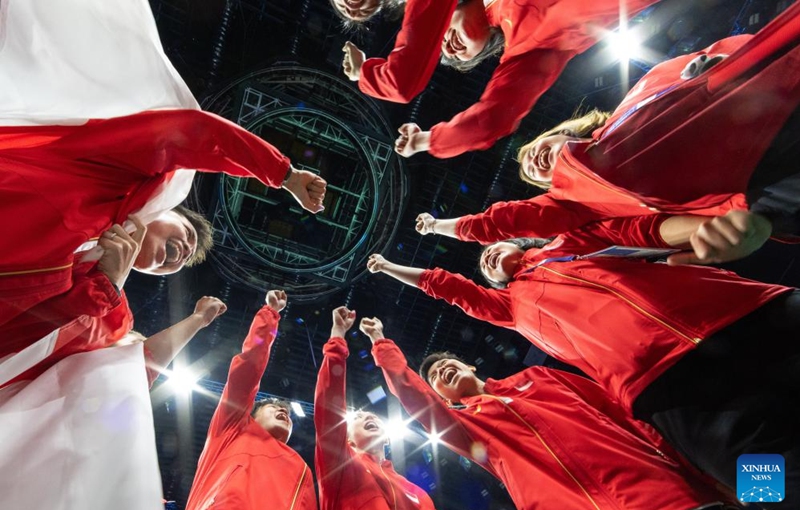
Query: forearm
{"type": "Point", "coordinates": [405, 274]}
{"type": "Point", "coordinates": [166, 344]}
{"type": "Point", "coordinates": [156, 142]}
{"type": "Point", "coordinates": [330, 407]}
{"type": "Point", "coordinates": [247, 368]}
{"type": "Point", "coordinates": [410, 65]}
{"type": "Point", "coordinates": [445, 227]}
{"type": "Point", "coordinates": [524, 78]}
{"type": "Point", "coordinates": [417, 397]}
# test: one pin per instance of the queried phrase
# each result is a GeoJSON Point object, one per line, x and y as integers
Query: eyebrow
{"type": "Point", "coordinates": [431, 370]}
{"type": "Point", "coordinates": [191, 234]}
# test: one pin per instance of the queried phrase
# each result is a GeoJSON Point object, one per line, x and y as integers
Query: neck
{"type": "Point", "coordinates": [476, 391]}
{"type": "Point", "coordinates": [376, 453]}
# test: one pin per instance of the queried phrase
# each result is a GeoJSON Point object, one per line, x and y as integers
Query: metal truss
{"type": "Point", "coordinates": [361, 218]}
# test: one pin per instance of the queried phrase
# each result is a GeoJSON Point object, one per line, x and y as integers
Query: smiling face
{"type": "Point", "coordinates": [468, 32]}
{"type": "Point", "coordinates": [275, 420]}
{"type": "Point", "coordinates": [453, 379]}
{"type": "Point", "coordinates": [170, 241]}
{"type": "Point", "coordinates": [357, 10]}
{"type": "Point", "coordinates": [540, 160]}
{"type": "Point", "coordinates": [500, 261]}
{"type": "Point", "coordinates": [366, 432]}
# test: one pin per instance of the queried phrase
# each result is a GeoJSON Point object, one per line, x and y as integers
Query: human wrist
{"type": "Point", "coordinates": [290, 172]}
{"type": "Point", "coordinates": [338, 332]}
{"type": "Point", "coordinates": [423, 141]}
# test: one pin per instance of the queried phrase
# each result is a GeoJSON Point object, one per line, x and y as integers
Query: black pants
{"type": "Point", "coordinates": [737, 393]}
{"type": "Point", "coordinates": [774, 188]}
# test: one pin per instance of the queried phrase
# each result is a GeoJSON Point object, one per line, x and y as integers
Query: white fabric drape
{"type": "Point", "coordinates": [81, 436]}
{"type": "Point", "coordinates": [63, 62]}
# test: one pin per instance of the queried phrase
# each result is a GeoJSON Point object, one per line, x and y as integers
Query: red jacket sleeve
{"type": "Point", "coordinates": [410, 65]}
{"type": "Point", "coordinates": [541, 216]}
{"type": "Point", "coordinates": [514, 88]}
{"type": "Point", "coordinates": [419, 399]}
{"type": "Point", "coordinates": [244, 375]}
{"type": "Point", "coordinates": [644, 231]}
{"type": "Point", "coordinates": [330, 409]}
{"type": "Point", "coordinates": [161, 141]}
{"type": "Point", "coordinates": [91, 294]}
{"type": "Point", "coordinates": [490, 305]}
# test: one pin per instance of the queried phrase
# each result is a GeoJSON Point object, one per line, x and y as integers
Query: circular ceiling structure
{"type": "Point", "coordinates": [263, 239]}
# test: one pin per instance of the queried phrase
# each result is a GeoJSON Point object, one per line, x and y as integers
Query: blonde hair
{"type": "Point", "coordinates": [579, 126]}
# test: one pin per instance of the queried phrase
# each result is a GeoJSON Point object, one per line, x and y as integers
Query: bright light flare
{"type": "Point", "coordinates": [624, 44]}
{"type": "Point", "coordinates": [397, 429]}
{"type": "Point", "coordinates": [435, 439]}
{"type": "Point", "coordinates": [183, 381]}
{"type": "Point", "coordinates": [298, 409]}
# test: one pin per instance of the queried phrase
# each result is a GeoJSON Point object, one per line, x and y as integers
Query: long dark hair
{"type": "Point", "coordinates": [524, 244]}
{"type": "Point", "coordinates": [494, 46]}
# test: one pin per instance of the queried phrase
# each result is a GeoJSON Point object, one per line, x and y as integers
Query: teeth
{"type": "Point", "coordinates": [543, 158]}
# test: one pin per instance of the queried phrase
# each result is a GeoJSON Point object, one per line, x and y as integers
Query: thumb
{"type": "Point", "coordinates": [684, 257]}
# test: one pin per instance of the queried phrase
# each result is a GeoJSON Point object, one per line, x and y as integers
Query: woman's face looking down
{"type": "Point", "coordinates": [499, 262]}
{"type": "Point", "coordinates": [540, 160]}
{"type": "Point", "coordinates": [357, 10]}
{"type": "Point", "coordinates": [468, 32]}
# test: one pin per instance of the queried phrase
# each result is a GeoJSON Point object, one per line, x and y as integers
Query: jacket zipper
{"type": "Point", "coordinates": [546, 447]}
{"type": "Point", "coordinates": [391, 485]}
{"type": "Point", "coordinates": [297, 490]}
{"type": "Point", "coordinates": [688, 338]}
{"type": "Point", "coordinates": [33, 271]}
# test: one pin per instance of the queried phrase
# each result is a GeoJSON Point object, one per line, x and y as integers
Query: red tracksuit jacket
{"type": "Point", "coordinates": [242, 466]}
{"type": "Point", "coordinates": [410, 65]}
{"type": "Point", "coordinates": [622, 321]}
{"type": "Point", "coordinates": [90, 313]}
{"type": "Point", "coordinates": [541, 38]}
{"type": "Point", "coordinates": [554, 439]}
{"type": "Point", "coordinates": [692, 149]}
{"type": "Point", "coordinates": [349, 480]}
{"type": "Point", "coordinates": [64, 185]}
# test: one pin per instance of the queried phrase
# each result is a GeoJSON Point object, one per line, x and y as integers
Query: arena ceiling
{"type": "Point", "coordinates": [274, 67]}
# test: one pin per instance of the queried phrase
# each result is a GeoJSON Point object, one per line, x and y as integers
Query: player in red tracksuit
{"type": "Point", "coordinates": [407, 70]}
{"type": "Point", "coordinates": [68, 184]}
{"type": "Point", "coordinates": [352, 469]}
{"type": "Point", "coordinates": [541, 37]}
{"type": "Point", "coordinates": [662, 340]}
{"type": "Point", "coordinates": [698, 146]}
{"type": "Point", "coordinates": [246, 463]}
{"type": "Point", "coordinates": [554, 439]}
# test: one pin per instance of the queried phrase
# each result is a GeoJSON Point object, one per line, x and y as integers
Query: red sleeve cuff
{"type": "Point", "coordinates": [424, 283]}
{"type": "Point", "coordinates": [336, 347]}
